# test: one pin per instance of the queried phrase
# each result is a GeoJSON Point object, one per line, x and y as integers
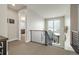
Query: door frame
{"type": "Point", "coordinates": [25, 28]}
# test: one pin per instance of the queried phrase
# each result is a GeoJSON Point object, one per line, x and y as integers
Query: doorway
{"type": "Point", "coordinates": [22, 25]}
{"type": "Point", "coordinates": [55, 30]}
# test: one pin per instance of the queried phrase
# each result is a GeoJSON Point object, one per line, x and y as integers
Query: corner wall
{"type": "Point", "coordinates": [3, 20]}
{"type": "Point", "coordinates": [68, 34]}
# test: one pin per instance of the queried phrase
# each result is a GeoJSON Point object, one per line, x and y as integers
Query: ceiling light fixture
{"type": "Point", "coordinates": [23, 18]}
{"type": "Point", "coordinates": [13, 4]}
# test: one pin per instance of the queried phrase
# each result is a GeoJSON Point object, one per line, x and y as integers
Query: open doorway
{"type": "Point", "coordinates": [22, 25]}
{"type": "Point", "coordinates": [22, 28]}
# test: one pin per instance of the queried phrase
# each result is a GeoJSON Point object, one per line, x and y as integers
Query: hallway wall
{"type": "Point", "coordinates": [3, 20]}
{"type": "Point", "coordinates": [13, 28]}
{"type": "Point", "coordinates": [4, 14]}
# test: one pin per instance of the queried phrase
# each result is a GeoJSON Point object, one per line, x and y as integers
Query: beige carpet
{"type": "Point", "coordinates": [22, 48]}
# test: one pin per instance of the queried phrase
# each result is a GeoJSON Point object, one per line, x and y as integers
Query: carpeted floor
{"type": "Point", "coordinates": [22, 48]}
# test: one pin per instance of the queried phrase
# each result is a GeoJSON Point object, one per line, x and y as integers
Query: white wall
{"type": "Point", "coordinates": [68, 35]}
{"type": "Point", "coordinates": [34, 22]}
{"type": "Point", "coordinates": [13, 28]}
{"type": "Point", "coordinates": [3, 20]}
{"type": "Point", "coordinates": [22, 24]}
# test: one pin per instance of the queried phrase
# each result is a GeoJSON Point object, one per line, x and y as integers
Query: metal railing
{"type": "Point", "coordinates": [75, 40]}
{"type": "Point", "coordinates": [40, 36]}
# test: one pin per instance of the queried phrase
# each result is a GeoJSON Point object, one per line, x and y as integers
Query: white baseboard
{"type": "Point", "coordinates": [27, 40]}
{"type": "Point", "coordinates": [69, 48]}
{"type": "Point", "coordinates": [10, 40]}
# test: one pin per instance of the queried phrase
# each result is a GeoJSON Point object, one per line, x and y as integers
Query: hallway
{"type": "Point", "coordinates": [22, 48]}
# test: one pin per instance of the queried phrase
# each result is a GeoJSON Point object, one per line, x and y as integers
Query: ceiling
{"type": "Point", "coordinates": [50, 10]}
{"type": "Point", "coordinates": [45, 10]}
{"type": "Point", "coordinates": [17, 7]}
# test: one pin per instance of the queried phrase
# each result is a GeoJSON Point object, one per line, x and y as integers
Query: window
{"type": "Point", "coordinates": [54, 25]}
{"type": "Point", "coordinates": [50, 25]}
{"type": "Point", "coordinates": [57, 25]}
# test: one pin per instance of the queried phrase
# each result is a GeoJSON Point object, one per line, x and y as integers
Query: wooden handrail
{"type": "Point", "coordinates": [74, 31]}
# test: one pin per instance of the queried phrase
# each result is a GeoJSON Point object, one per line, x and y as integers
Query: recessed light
{"type": "Point", "coordinates": [13, 4]}
{"type": "Point", "coordinates": [22, 18]}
